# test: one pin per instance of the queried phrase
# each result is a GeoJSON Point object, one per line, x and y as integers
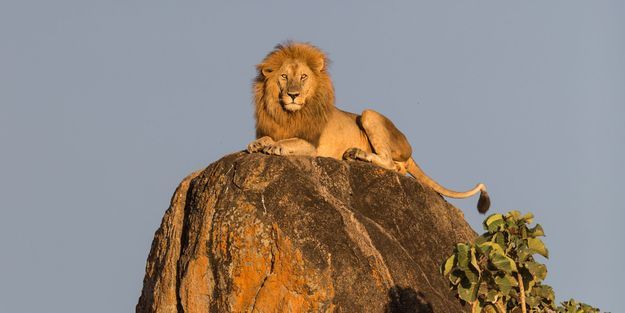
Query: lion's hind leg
{"type": "Point", "coordinates": [390, 147]}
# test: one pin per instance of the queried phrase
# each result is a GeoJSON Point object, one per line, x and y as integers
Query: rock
{"type": "Point", "coordinates": [258, 233]}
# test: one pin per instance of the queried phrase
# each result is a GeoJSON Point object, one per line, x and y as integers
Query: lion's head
{"type": "Point", "coordinates": [293, 90]}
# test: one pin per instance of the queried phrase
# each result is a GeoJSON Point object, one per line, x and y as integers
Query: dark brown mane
{"type": "Point", "coordinates": [271, 119]}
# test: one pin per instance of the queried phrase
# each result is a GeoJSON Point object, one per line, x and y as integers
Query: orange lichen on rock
{"type": "Point", "coordinates": [291, 285]}
{"type": "Point", "coordinates": [268, 274]}
{"type": "Point", "coordinates": [249, 267]}
{"type": "Point", "coordinates": [194, 291]}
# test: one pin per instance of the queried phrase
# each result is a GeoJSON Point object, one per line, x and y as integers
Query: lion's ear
{"type": "Point", "coordinates": [319, 64]}
{"type": "Point", "coordinates": [265, 70]}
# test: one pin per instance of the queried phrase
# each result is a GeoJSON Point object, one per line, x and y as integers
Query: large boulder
{"type": "Point", "coordinates": [258, 233]}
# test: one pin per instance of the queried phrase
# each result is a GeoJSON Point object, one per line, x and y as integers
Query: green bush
{"type": "Point", "coordinates": [498, 272]}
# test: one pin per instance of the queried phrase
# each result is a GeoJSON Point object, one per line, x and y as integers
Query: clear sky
{"type": "Point", "coordinates": [106, 105]}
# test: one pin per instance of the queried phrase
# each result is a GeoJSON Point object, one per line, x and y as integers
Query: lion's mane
{"type": "Point", "coordinates": [271, 119]}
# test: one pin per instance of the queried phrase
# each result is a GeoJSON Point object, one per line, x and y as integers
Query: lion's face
{"type": "Point", "coordinates": [293, 93]}
{"type": "Point", "coordinates": [296, 82]}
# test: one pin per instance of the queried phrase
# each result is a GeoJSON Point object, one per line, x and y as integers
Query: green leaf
{"type": "Point", "coordinates": [505, 283]}
{"type": "Point", "coordinates": [523, 233]}
{"type": "Point", "coordinates": [500, 241]}
{"type": "Point", "coordinates": [448, 265]}
{"type": "Point", "coordinates": [523, 253]}
{"type": "Point", "coordinates": [480, 239]}
{"type": "Point", "coordinates": [528, 218]}
{"type": "Point", "coordinates": [467, 290]}
{"type": "Point", "coordinates": [544, 292]}
{"type": "Point", "coordinates": [493, 222]}
{"type": "Point", "coordinates": [537, 231]}
{"type": "Point", "coordinates": [474, 260]}
{"type": "Point", "coordinates": [537, 246]}
{"type": "Point", "coordinates": [538, 271]}
{"type": "Point", "coordinates": [503, 262]}
{"type": "Point", "coordinates": [489, 308]}
{"type": "Point", "coordinates": [532, 301]}
{"type": "Point", "coordinates": [488, 246]}
{"type": "Point", "coordinates": [491, 296]}
{"type": "Point", "coordinates": [455, 277]}
{"type": "Point", "coordinates": [513, 215]}
{"type": "Point", "coordinates": [463, 255]}
{"type": "Point", "coordinates": [528, 279]}
{"type": "Point", "coordinates": [472, 276]}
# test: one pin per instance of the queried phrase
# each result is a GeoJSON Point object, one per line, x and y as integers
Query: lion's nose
{"type": "Point", "coordinates": [293, 94]}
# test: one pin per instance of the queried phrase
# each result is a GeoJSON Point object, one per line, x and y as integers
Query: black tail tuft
{"type": "Point", "coordinates": [484, 203]}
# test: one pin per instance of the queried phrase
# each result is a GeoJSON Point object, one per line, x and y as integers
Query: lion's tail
{"type": "Point", "coordinates": [482, 204]}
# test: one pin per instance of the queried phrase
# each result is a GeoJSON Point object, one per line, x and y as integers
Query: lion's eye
{"type": "Point", "coordinates": [304, 76]}
{"type": "Point", "coordinates": [284, 76]}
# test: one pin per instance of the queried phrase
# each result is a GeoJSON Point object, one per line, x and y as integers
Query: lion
{"type": "Point", "coordinates": [295, 115]}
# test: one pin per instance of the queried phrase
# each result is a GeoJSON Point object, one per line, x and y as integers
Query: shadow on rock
{"type": "Point", "coordinates": [407, 300]}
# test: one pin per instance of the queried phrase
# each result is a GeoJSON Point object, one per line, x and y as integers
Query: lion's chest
{"type": "Point", "coordinates": [290, 128]}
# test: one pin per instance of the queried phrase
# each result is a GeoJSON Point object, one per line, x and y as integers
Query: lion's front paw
{"type": "Point", "coordinates": [276, 149]}
{"type": "Point", "coordinates": [259, 144]}
{"type": "Point", "coordinates": [355, 154]}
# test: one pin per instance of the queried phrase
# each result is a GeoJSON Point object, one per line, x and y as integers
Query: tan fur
{"type": "Point", "coordinates": [295, 115]}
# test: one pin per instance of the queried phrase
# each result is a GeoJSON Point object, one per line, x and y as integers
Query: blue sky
{"type": "Point", "coordinates": [105, 106]}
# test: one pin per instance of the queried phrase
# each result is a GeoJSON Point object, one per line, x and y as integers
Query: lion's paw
{"type": "Point", "coordinates": [259, 144]}
{"type": "Point", "coordinates": [276, 149]}
{"type": "Point", "coordinates": [355, 154]}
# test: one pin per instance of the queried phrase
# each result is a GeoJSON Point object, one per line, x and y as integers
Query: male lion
{"type": "Point", "coordinates": [295, 115]}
